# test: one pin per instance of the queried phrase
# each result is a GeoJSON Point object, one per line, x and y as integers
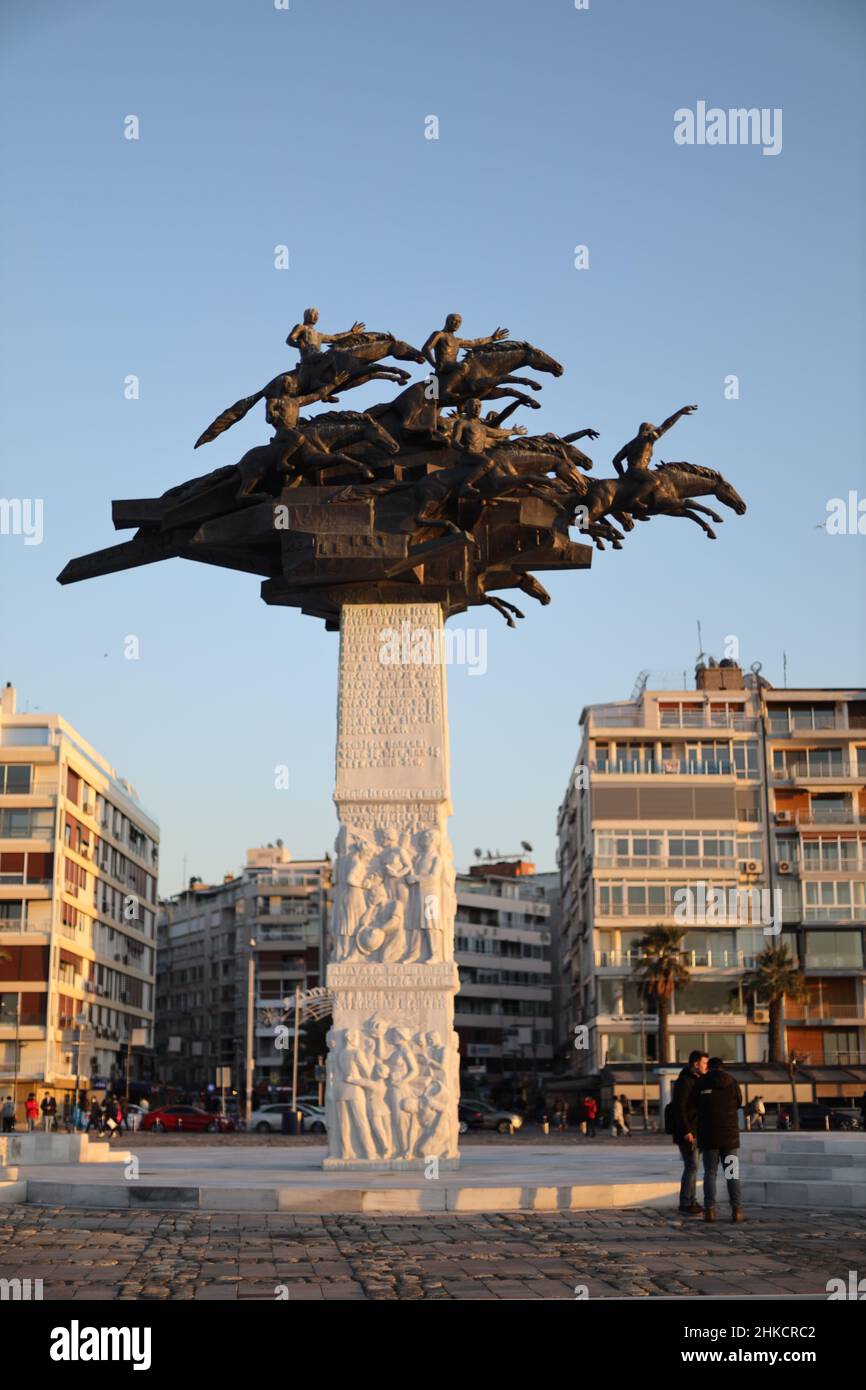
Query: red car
{"type": "Point", "coordinates": [189, 1118]}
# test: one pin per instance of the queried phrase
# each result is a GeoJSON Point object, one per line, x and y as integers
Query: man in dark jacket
{"type": "Point", "coordinates": [718, 1100]}
{"type": "Point", "coordinates": [684, 1121]}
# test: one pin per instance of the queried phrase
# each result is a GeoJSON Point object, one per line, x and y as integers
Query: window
{"type": "Point", "coordinates": [16, 778]}
{"type": "Point", "coordinates": [708, 997]}
{"type": "Point", "coordinates": [30, 736]}
{"type": "Point", "coordinates": [839, 949]}
{"type": "Point", "coordinates": [828, 902]}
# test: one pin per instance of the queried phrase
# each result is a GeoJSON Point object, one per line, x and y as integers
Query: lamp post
{"type": "Point", "coordinates": [250, 1061]}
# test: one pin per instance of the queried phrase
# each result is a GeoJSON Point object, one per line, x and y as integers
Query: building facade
{"type": "Point", "coordinates": [503, 1013]}
{"type": "Point", "coordinates": [78, 894]}
{"type": "Point", "coordinates": [269, 920]}
{"type": "Point", "coordinates": [734, 785]}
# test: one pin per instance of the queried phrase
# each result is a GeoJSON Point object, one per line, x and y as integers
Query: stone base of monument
{"type": "Point", "coordinates": [22, 1150]}
{"type": "Point", "coordinates": [291, 1179]}
{"type": "Point", "coordinates": [393, 1165]}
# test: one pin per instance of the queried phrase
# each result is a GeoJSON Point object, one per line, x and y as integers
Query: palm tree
{"type": "Point", "coordinates": [774, 975]}
{"type": "Point", "coordinates": [660, 971]}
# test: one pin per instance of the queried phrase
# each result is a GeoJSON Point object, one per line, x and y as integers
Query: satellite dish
{"type": "Point", "coordinates": [479, 854]}
{"type": "Point", "coordinates": [524, 844]}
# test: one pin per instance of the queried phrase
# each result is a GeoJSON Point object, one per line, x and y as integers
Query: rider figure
{"type": "Point", "coordinates": [638, 453]}
{"type": "Point", "coordinates": [442, 347]}
{"type": "Point", "coordinates": [308, 340]}
{"type": "Point", "coordinates": [474, 436]}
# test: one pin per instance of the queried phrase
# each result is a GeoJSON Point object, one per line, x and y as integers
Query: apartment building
{"type": "Point", "coordinates": [740, 786]}
{"type": "Point", "coordinates": [271, 919]}
{"type": "Point", "coordinates": [78, 894]}
{"type": "Point", "coordinates": [502, 943]}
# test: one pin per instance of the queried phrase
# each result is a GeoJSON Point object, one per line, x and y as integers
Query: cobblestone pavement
{"type": "Point", "coordinates": [635, 1253]}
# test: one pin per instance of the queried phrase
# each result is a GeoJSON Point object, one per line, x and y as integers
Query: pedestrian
{"type": "Point", "coordinates": [759, 1110]}
{"type": "Point", "coordinates": [8, 1115]}
{"type": "Point", "coordinates": [561, 1117]}
{"type": "Point", "coordinates": [48, 1106]}
{"type": "Point", "coordinates": [95, 1121]}
{"type": "Point", "coordinates": [77, 1117]}
{"type": "Point", "coordinates": [31, 1110]}
{"type": "Point", "coordinates": [67, 1113]}
{"type": "Point", "coordinates": [718, 1100]}
{"type": "Point", "coordinates": [683, 1116]}
{"type": "Point", "coordinates": [590, 1114]}
{"type": "Point", "coordinates": [863, 1111]}
{"type": "Point", "coordinates": [618, 1121]}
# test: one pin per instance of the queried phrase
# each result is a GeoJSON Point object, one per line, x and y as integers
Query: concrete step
{"type": "Point", "coordinates": [12, 1192]}
{"type": "Point", "coordinates": [803, 1194]}
{"type": "Point", "coordinates": [852, 1144]}
{"type": "Point", "coordinates": [8, 1174]}
{"type": "Point", "coordinates": [808, 1159]}
{"type": "Point", "coordinates": [466, 1197]}
{"type": "Point", "coordinates": [794, 1172]}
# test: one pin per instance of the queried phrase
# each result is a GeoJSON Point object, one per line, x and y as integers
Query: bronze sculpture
{"type": "Point", "coordinates": [419, 498]}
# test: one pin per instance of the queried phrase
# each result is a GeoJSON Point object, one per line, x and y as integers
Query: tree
{"type": "Point", "coordinates": [774, 975]}
{"type": "Point", "coordinates": [660, 971]}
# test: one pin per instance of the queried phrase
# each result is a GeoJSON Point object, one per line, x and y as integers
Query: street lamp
{"type": "Point", "coordinates": [250, 1061]}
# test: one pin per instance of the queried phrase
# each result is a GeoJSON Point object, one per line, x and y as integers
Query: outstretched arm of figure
{"type": "Point", "coordinates": [672, 419]}
{"type": "Point", "coordinates": [341, 337]}
{"type": "Point", "coordinates": [579, 434]}
{"type": "Point", "coordinates": [496, 420]}
{"type": "Point", "coordinates": [483, 342]}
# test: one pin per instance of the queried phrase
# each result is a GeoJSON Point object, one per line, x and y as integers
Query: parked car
{"type": "Point", "coordinates": [813, 1115]}
{"type": "Point", "coordinates": [479, 1115]}
{"type": "Point", "coordinates": [190, 1119]}
{"type": "Point", "coordinates": [268, 1119]}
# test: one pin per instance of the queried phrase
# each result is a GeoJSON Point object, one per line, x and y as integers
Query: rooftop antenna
{"type": "Point", "coordinates": [639, 685]}
{"type": "Point", "coordinates": [785, 669]}
{"type": "Point", "coordinates": [700, 641]}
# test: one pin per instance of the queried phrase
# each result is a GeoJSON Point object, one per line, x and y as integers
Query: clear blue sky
{"type": "Point", "coordinates": [305, 127]}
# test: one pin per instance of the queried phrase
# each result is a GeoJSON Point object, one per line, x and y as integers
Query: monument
{"type": "Point", "coordinates": [384, 523]}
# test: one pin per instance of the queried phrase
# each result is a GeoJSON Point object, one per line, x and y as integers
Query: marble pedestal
{"type": "Point", "coordinates": [393, 1064]}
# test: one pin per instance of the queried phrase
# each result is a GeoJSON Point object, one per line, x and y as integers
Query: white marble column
{"type": "Point", "coordinates": [393, 1065]}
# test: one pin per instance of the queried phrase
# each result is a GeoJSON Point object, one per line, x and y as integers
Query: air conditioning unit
{"type": "Point", "coordinates": [750, 866]}
{"type": "Point", "coordinates": [117, 955]}
{"type": "Point", "coordinates": [784, 866]}
{"type": "Point", "coordinates": [784, 817]}
{"type": "Point", "coordinates": [761, 1016]}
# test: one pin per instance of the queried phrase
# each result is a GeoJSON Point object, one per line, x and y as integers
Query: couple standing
{"type": "Point", "coordinates": [704, 1107]}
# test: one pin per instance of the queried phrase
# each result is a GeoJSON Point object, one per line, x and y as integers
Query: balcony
{"type": "Point", "coordinates": [801, 771]}
{"type": "Point", "coordinates": [841, 816]}
{"type": "Point", "coordinates": [693, 960]}
{"type": "Point", "coordinates": [816, 1011]}
{"type": "Point", "coordinates": [676, 767]}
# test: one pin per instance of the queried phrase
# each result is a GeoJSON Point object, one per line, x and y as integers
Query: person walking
{"type": "Point", "coordinates": [683, 1128]}
{"type": "Point", "coordinates": [8, 1115]}
{"type": "Point", "coordinates": [48, 1106]}
{"type": "Point", "coordinates": [590, 1114]}
{"type": "Point", "coordinates": [718, 1100]}
{"type": "Point", "coordinates": [759, 1110]}
{"type": "Point", "coordinates": [95, 1121]}
{"type": "Point", "coordinates": [618, 1124]}
{"type": "Point", "coordinates": [31, 1110]}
